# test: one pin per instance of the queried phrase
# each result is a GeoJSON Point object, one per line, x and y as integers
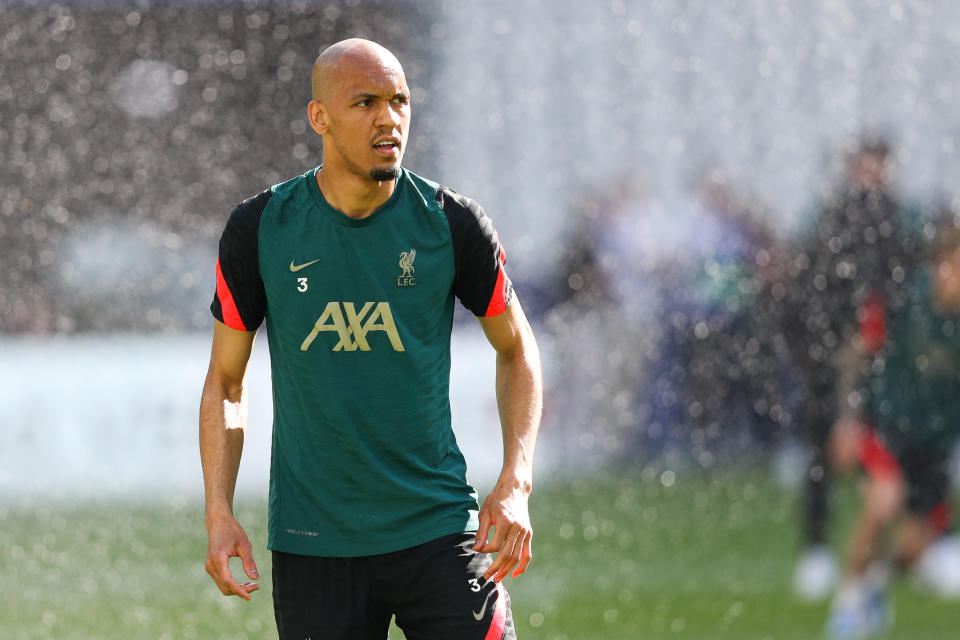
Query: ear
{"type": "Point", "coordinates": [317, 114]}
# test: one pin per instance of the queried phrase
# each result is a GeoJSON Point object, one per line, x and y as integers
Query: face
{"type": "Point", "coordinates": [365, 117]}
{"type": "Point", "coordinates": [870, 171]}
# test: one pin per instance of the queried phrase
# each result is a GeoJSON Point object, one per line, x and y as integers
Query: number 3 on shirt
{"type": "Point", "coordinates": [301, 284]}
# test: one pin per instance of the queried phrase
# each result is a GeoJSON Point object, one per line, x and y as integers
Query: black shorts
{"type": "Point", "coordinates": [928, 478]}
{"type": "Point", "coordinates": [925, 469]}
{"type": "Point", "coordinates": [436, 591]}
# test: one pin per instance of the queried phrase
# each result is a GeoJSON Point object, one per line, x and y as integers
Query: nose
{"type": "Point", "coordinates": [390, 115]}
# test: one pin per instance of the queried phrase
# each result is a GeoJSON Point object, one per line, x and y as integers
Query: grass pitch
{"type": "Point", "coordinates": [618, 558]}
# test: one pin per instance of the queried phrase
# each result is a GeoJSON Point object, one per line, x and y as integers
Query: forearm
{"type": "Point", "coordinates": [519, 388]}
{"type": "Point", "coordinates": [850, 363]}
{"type": "Point", "coordinates": [223, 420]}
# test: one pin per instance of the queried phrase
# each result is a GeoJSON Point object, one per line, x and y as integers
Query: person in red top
{"type": "Point", "coordinates": [857, 248]}
{"type": "Point", "coordinates": [902, 436]}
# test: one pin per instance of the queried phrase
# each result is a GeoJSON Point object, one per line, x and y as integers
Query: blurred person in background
{"type": "Point", "coordinates": [665, 314]}
{"type": "Point", "coordinates": [733, 362]}
{"type": "Point", "coordinates": [854, 257]}
{"type": "Point", "coordinates": [713, 373]}
{"type": "Point", "coordinates": [603, 304]}
{"type": "Point", "coordinates": [904, 440]}
{"type": "Point", "coordinates": [583, 280]}
{"type": "Point", "coordinates": [370, 512]}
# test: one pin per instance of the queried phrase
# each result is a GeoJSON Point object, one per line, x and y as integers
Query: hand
{"type": "Point", "coordinates": [506, 510]}
{"type": "Point", "coordinates": [227, 539]}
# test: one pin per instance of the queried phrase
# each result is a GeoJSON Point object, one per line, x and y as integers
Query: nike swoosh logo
{"type": "Point", "coordinates": [483, 609]}
{"type": "Point", "coordinates": [296, 267]}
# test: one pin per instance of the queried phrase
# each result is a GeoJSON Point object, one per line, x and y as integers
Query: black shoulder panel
{"type": "Point", "coordinates": [240, 300]}
{"type": "Point", "coordinates": [481, 281]}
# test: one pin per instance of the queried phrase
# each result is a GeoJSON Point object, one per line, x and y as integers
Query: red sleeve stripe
{"type": "Point", "coordinates": [499, 622]}
{"type": "Point", "coordinates": [875, 457]}
{"type": "Point", "coordinates": [231, 316]}
{"type": "Point", "coordinates": [498, 301]}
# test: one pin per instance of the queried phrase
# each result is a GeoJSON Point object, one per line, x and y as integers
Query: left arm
{"type": "Point", "coordinates": [519, 388]}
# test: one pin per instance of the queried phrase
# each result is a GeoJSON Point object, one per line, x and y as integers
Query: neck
{"type": "Point", "coordinates": [352, 195]}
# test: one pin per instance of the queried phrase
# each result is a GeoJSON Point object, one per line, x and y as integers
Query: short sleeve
{"type": "Point", "coordinates": [481, 281]}
{"type": "Point", "coordinates": [240, 301]}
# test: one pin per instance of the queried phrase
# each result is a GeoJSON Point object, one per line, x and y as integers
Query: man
{"type": "Point", "coordinates": [853, 258]}
{"type": "Point", "coordinates": [354, 266]}
{"type": "Point", "coordinates": [914, 413]}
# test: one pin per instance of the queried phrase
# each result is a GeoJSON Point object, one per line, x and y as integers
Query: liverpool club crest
{"type": "Point", "coordinates": [406, 279]}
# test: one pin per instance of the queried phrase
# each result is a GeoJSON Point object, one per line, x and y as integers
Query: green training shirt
{"type": "Point", "coordinates": [358, 315]}
{"type": "Point", "coordinates": [914, 397]}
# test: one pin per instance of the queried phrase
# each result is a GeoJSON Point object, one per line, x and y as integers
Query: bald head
{"type": "Point", "coordinates": [361, 107]}
{"type": "Point", "coordinates": [352, 56]}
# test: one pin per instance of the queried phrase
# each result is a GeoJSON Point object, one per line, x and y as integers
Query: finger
{"type": "Point", "coordinates": [499, 534]}
{"type": "Point", "coordinates": [243, 590]}
{"type": "Point", "coordinates": [495, 565]}
{"type": "Point", "coordinates": [483, 531]}
{"type": "Point", "coordinates": [511, 553]}
{"type": "Point", "coordinates": [219, 569]}
{"type": "Point", "coordinates": [504, 556]}
{"type": "Point", "coordinates": [526, 555]}
{"type": "Point", "coordinates": [230, 587]}
{"type": "Point", "coordinates": [245, 550]}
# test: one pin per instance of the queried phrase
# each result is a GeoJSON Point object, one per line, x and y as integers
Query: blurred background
{"type": "Point", "coordinates": [654, 169]}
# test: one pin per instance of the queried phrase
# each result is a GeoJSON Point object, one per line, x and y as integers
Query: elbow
{"type": "Point", "coordinates": [222, 388]}
{"type": "Point", "coordinates": [522, 349]}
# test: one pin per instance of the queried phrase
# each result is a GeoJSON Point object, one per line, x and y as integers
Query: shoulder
{"type": "Point", "coordinates": [244, 222]}
{"type": "Point", "coordinates": [251, 209]}
{"type": "Point", "coordinates": [422, 190]}
{"type": "Point", "coordinates": [441, 197]}
{"type": "Point", "coordinates": [289, 188]}
{"type": "Point", "coordinates": [457, 204]}
{"type": "Point", "coordinates": [248, 213]}
{"type": "Point", "coordinates": [464, 213]}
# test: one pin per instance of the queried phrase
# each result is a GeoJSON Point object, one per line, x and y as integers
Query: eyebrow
{"type": "Point", "coordinates": [369, 96]}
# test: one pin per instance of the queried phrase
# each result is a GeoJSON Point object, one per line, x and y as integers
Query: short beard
{"type": "Point", "coordinates": [383, 175]}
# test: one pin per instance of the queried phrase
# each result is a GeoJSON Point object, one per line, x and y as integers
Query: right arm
{"type": "Point", "coordinates": [223, 420]}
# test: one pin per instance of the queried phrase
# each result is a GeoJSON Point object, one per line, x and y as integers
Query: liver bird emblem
{"type": "Point", "coordinates": [406, 262]}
